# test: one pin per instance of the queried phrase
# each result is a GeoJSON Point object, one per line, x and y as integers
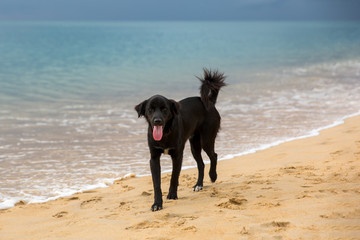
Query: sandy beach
{"type": "Point", "coordinates": [303, 189]}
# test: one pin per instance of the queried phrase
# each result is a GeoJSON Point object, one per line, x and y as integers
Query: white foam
{"type": "Point", "coordinates": [5, 146]}
{"type": "Point", "coordinates": [123, 125]}
{"type": "Point", "coordinates": [9, 203]}
{"type": "Point", "coordinates": [27, 198]}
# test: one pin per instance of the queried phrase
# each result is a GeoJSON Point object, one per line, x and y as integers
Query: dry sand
{"type": "Point", "coordinates": [303, 189]}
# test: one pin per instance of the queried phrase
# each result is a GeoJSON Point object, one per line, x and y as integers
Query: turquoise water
{"type": "Point", "coordinates": [90, 61]}
{"type": "Point", "coordinates": [67, 92]}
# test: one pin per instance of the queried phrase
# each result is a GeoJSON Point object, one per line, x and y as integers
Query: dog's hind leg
{"type": "Point", "coordinates": [196, 152]}
{"type": "Point", "coordinates": [209, 149]}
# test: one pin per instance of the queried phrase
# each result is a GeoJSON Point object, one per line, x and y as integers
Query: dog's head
{"type": "Point", "coordinates": [158, 110]}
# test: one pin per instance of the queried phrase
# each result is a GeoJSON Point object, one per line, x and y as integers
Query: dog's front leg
{"type": "Point", "coordinates": [156, 178]}
{"type": "Point", "coordinates": [174, 182]}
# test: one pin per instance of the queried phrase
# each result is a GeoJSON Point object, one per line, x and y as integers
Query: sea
{"type": "Point", "coordinates": [68, 91]}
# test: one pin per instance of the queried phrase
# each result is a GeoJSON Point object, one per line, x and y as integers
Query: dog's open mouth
{"type": "Point", "coordinates": [157, 133]}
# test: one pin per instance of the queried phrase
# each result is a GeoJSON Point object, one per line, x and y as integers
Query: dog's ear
{"type": "Point", "coordinates": [174, 107]}
{"type": "Point", "coordinates": [140, 108]}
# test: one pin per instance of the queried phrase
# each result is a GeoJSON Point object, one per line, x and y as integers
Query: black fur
{"type": "Point", "coordinates": [192, 118]}
{"type": "Point", "coordinates": [211, 84]}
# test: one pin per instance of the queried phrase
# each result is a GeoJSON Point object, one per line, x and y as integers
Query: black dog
{"type": "Point", "coordinates": [172, 123]}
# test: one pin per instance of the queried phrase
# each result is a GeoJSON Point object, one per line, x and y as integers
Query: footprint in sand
{"type": "Point", "coordinates": [279, 226]}
{"type": "Point", "coordinates": [89, 191]}
{"type": "Point", "coordinates": [314, 180]}
{"type": "Point", "coordinates": [188, 180]}
{"type": "Point", "coordinates": [233, 204]}
{"type": "Point", "coordinates": [90, 203]}
{"type": "Point", "coordinates": [73, 198]}
{"type": "Point", "coordinates": [214, 192]}
{"type": "Point", "coordinates": [145, 224]}
{"type": "Point", "coordinates": [124, 206]}
{"type": "Point", "coordinates": [301, 196]}
{"type": "Point", "coordinates": [355, 214]}
{"type": "Point", "coordinates": [290, 170]}
{"type": "Point", "coordinates": [244, 231]}
{"type": "Point", "coordinates": [113, 216]}
{"type": "Point", "coordinates": [267, 182]}
{"type": "Point", "coordinates": [145, 194]}
{"type": "Point", "coordinates": [268, 204]}
{"type": "Point", "coordinates": [190, 228]}
{"type": "Point", "coordinates": [126, 188]}
{"type": "Point", "coordinates": [237, 175]}
{"type": "Point", "coordinates": [244, 187]}
{"type": "Point", "coordinates": [60, 214]}
{"type": "Point", "coordinates": [336, 153]}
{"type": "Point", "coordinates": [161, 220]}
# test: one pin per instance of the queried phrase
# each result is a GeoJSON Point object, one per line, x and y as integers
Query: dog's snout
{"type": "Point", "coordinates": [158, 121]}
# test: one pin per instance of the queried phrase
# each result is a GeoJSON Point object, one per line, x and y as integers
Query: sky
{"type": "Point", "coordinates": [188, 10]}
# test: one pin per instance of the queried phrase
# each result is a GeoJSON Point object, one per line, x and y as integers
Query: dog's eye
{"type": "Point", "coordinates": [150, 110]}
{"type": "Point", "coordinates": [164, 110]}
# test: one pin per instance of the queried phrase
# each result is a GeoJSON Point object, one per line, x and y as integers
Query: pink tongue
{"type": "Point", "coordinates": [157, 133]}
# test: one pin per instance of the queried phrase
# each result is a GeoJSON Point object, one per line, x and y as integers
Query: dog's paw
{"type": "Point", "coordinates": [156, 207]}
{"type": "Point", "coordinates": [172, 196]}
{"type": "Point", "coordinates": [213, 175]}
{"type": "Point", "coordinates": [197, 188]}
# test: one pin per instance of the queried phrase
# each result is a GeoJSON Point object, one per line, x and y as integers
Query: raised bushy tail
{"type": "Point", "coordinates": [212, 81]}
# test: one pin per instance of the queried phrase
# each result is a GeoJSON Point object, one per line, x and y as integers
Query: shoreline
{"type": "Point", "coordinates": [108, 182]}
{"type": "Point", "coordinates": [312, 133]}
{"type": "Point", "coordinates": [302, 189]}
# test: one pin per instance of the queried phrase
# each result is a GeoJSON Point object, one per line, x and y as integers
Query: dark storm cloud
{"type": "Point", "coordinates": [180, 10]}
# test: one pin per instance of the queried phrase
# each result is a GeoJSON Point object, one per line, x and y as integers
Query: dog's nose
{"type": "Point", "coordinates": [158, 121]}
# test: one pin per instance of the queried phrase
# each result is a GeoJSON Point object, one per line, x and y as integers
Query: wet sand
{"type": "Point", "coordinates": [303, 189]}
